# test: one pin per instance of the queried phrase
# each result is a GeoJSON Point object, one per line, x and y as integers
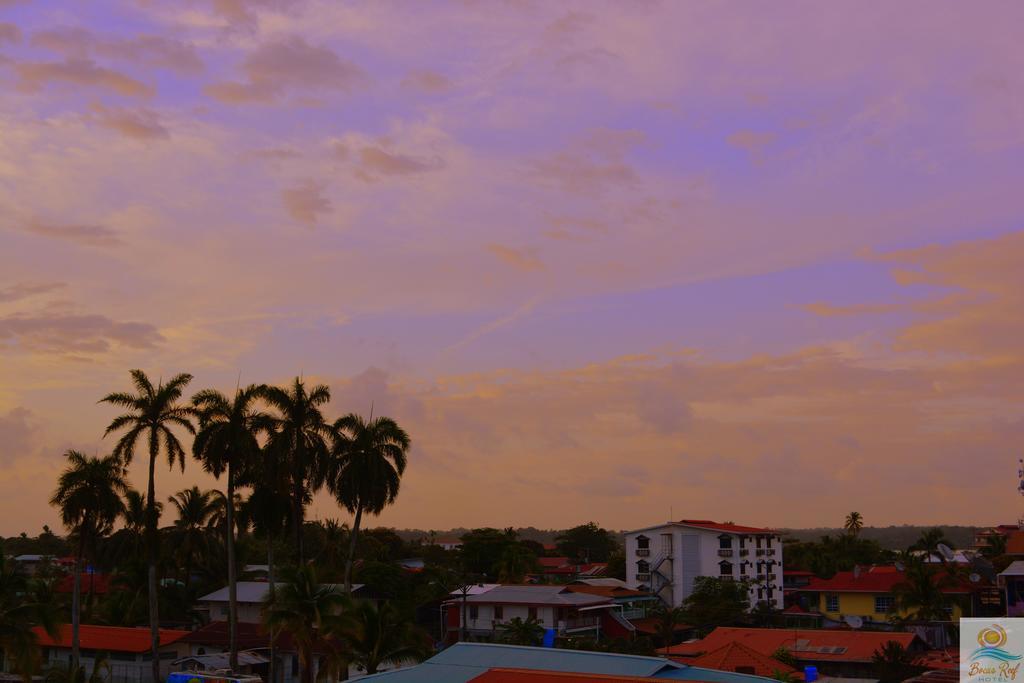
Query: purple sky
{"type": "Point", "coordinates": [756, 262]}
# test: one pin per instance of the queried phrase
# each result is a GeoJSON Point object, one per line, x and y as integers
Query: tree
{"type": "Point", "coordinates": [515, 563]}
{"type": "Point", "coordinates": [667, 621]}
{"type": "Point", "coordinates": [300, 437]}
{"type": "Point", "coordinates": [370, 458]}
{"type": "Point", "coordinates": [716, 602]}
{"type": "Point", "coordinates": [482, 550]}
{"type": "Point", "coordinates": [996, 546]}
{"type": "Point", "coordinates": [153, 412]}
{"type": "Point", "coordinates": [854, 523]}
{"type": "Point", "coordinates": [304, 609]}
{"type": "Point", "coordinates": [89, 498]}
{"type": "Point", "coordinates": [195, 510]}
{"type": "Point", "coordinates": [227, 439]}
{"type": "Point", "coordinates": [22, 607]}
{"type": "Point", "coordinates": [893, 663]}
{"type": "Point", "coordinates": [921, 595]}
{"type": "Point", "coordinates": [930, 541]}
{"type": "Point", "coordinates": [127, 545]}
{"type": "Point", "coordinates": [587, 543]}
{"type": "Point", "coordinates": [76, 673]}
{"type": "Point", "coordinates": [516, 631]}
{"type": "Point", "coordinates": [374, 637]}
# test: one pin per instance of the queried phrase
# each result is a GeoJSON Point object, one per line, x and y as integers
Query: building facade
{"type": "Point", "coordinates": [667, 559]}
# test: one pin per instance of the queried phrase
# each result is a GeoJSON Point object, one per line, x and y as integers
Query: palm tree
{"type": "Point", "coordinates": [195, 510]}
{"type": "Point", "coordinates": [300, 436]}
{"type": "Point", "coordinates": [89, 497]}
{"type": "Point", "coordinates": [515, 563]}
{"type": "Point", "coordinates": [21, 609]}
{"type": "Point", "coordinates": [153, 411]}
{"type": "Point", "coordinates": [666, 620]}
{"type": "Point", "coordinates": [375, 636]}
{"type": "Point", "coordinates": [370, 458]}
{"type": "Point", "coordinates": [893, 662]}
{"type": "Point", "coordinates": [228, 438]}
{"type": "Point", "coordinates": [516, 631]}
{"type": "Point", "coordinates": [129, 542]}
{"type": "Point", "coordinates": [854, 523]}
{"type": "Point", "coordinates": [304, 609]}
{"type": "Point", "coordinates": [930, 541]}
{"type": "Point", "coordinates": [921, 595]}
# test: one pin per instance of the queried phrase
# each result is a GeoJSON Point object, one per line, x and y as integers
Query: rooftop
{"type": "Point", "coordinates": [819, 645]}
{"type": "Point", "coordinates": [707, 524]}
{"type": "Point", "coordinates": [559, 596]}
{"type": "Point", "coordinates": [734, 655]}
{"type": "Point", "coordinates": [108, 638]}
{"type": "Point", "coordinates": [879, 579]}
{"type": "Point", "coordinates": [255, 591]}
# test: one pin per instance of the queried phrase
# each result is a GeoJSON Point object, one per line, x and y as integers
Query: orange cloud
{"type": "Point", "coordinates": [427, 81]}
{"type": "Point", "coordinates": [526, 260]}
{"type": "Point", "coordinates": [33, 76]}
{"type": "Point", "coordinates": [374, 161]}
{"type": "Point", "coordinates": [592, 165]}
{"type": "Point", "coordinates": [74, 333]}
{"type": "Point", "coordinates": [305, 202]}
{"type": "Point", "coordinates": [148, 50]}
{"type": "Point", "coordinates": [140, 124]}
{"type": "Point", "coordinates": [24, 290]}
{"type": "Point", "coordinates": [88, 235]}
{"type": "Point", "coordinates": [9, 33]}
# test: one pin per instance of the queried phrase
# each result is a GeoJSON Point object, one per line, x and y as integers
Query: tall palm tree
{"type": "Point", "coordinates": [301, 437]}
{"type": "Point", "coordinates": [89, 497]}
{"type": "Point", "coordinates": [369, 460]}
{"type": "Point", "coordinates": [375, 636]}
{"type": "Point", "coordinates": [228, 438]}
{"type": "Point", "coordinates": [517, 631]}
{"type": "Point", "coordinates": [304, 609]}
{"type": "Point", "coordinates": [854, 523]}
{"type": "Point", "coordinates": [929, 542]}
{"type": "Point", "coordinates": [195, 509]}
{"type": "Point", "coordinates": [128, 544]}
{"type": "Point", "coordinates": [921, 596]}
{"type": "Point", "coordinates": [22, 608]}
{"type": "Point", "coordinates": [152, 412]}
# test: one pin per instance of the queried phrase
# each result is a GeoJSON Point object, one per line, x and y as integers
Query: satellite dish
{"type": "Point", "coordinates": [900, 566]}
{"type": "Point", "coordinates": [945, 551]}
{"type": "Point", "coordinates": [853, 621]}
{"type": "Point", "coordinates": [975, 577]}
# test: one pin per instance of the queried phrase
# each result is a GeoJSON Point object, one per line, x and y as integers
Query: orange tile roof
{"type": "Point", "coordinates": [737, 657]}
{"type": "Point", "coordinates": [536, 676]}
{"type": "Point", "coordinates": [109, 638]}
{"type": "Point", "coordinates": [803, 643]}
{"type": "Point", "coordinates": [1015, 543]}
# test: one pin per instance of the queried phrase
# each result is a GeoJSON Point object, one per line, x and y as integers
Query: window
{"type": "Point", "coordinates": [531, 612]}
{"type": "Point", "coordinates": [643, 567]}
{"type": "Point", "coordinates": [743, 568]}
{"type": "Point", "coordinates": [474, 611]}
{"type": "Point", "coordinates": [743, 542]}
{"type": "Point", "coordinates": [758, 539]}
{"type": "Point", "coordinates": [769, 542]}
{"type": "Point", "coordinates": [832, 603]}
{"type": "Point", "coordinates": [643, 542]}
{"type": "Point", "coordinates": [725, 542]}
{"type": "Point", "coordinates": [499, 613]}
{"type": "Point", "coordinates": [884, 604]}
{"type": "Point", "coordinates": [725, 568]}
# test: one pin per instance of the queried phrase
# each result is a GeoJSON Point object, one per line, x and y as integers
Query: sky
{"type": "Point", "coordinates": [610, 261]}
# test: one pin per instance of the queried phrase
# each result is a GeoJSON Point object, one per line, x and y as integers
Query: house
{"type": "Point", "coordinates": [465, 662]}
{"type": "Point", "coordinates": [213, 639]}
{"type": "Point", "coordinates": [94, 583]}
{"type": "Point", "coordinates": [740, 658]}
{"type": "Point", "coordinates": [1011, 581]}
{"type": "Point", "coordinates": [251, 596]}
{"type": "Point", "coordinates": [870, 594]}
{"type": "Point", "coordinates": [126, 649]}
{"type": "Point", "coordinates": [33, 563]}
{"type": "Point", "coordinates": [562, 569]}
{"type": "Point", "coordinates": [666, 559]}
{"type": "Point", "coordinates": [448, 543]}
{"type": "Point", "coordinates": [835, 652]}
{"type": "Point", "coordinates": [983, 537]}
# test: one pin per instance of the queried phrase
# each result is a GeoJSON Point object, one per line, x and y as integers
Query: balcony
{"type": "Point", "coordinates": [772, 577]}
{"type": "Point", "coordinates": [760, 577]}
{"type": "Point", "coordinates": [634, 613]}
{"type": "Point", "coordinates": [761, 551]}
{"type": "Point", "coordinates": [643, 552]}
{"type": "Point", "coordinates": [725, 552]}
{"type": "Point", "coordinates": [578, 623]}
{"type": "Point", "coordinates": [744, 552]}
{"type": "Point", "coordinates": [645, 576]}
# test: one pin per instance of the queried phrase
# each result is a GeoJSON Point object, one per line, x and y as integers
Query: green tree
{"type": "Point", "coordinates": [305, 610]}
{"type": "Point", "coordinates": [153, 412]}
{"type": "Point", "coordinates": [88, 496]}
{"type": "Point", "coordinates": [99, 673]}
{"type": "Point", "coordinates": [22, 607]}
{"type": "Point", "coordinates": [195, 511]}
{"type": "Point", "coordinates": [515, 563]}
{"type": "Point", "coordinates": [893, 663]}
{"type": "Point", "coordinates": [854, 523]}
{"type": "Point", "coordinates": [228, 439]}
{"type": "Point", "coordinates": [667, 620]}
{"type": "Point", "coordinates": [517, 631]}
{"type": "Point", "coordinates": [370, 457]}
{"type": "Point", "coordinates": [483, 548]}
{"type": "Point", "coordinates": [300, 437]}
{"type": "Point", "coordinates": [930, 541]}
{"type": "Point", "coordinates": [716, 602]}
{"type": "Point", "coordinates": [587, 543]}
{"type": "Point", "coordinates": [378, 636]}
{"type": "Point", "coordinates": [921, 596]}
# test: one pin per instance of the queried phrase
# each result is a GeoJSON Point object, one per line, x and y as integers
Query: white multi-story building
{"type": "Point", "coordinates": [666, 559]}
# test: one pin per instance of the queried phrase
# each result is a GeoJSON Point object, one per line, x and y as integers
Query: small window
{"type": "Point", "coordinates": [743, 542]}
{"type": "Point", "coordinates": [474, 611]}
{"type": "Point", "coordinates": [769, 542]}
{"type": "Point", "coordinates": [725, 568]}
{"type": "Point", "coordinates": [743, 568]}
{"type": "Point", "coordinates": [831, 602]}
{"type": "Point", "coordinates": [724, 542]}
{"type": "Point", "coordinates": [531, 612]}
{"type": "Point", "coordinates": [758, 540]}
{"type": "Point", "coordinates": [643, 542]}
{"type": "Point", "coordinates": [499, 613]}
{"type": "Point", "coordinates": [643, 567]}
{"type": "Point", "coordinates": [884, 604]}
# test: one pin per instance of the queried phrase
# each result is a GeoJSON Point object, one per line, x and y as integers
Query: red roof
{"type": "Point", "coordinates": [737, 657]}
{"type": "Point", "coordinates": [109, 638]}
{"type": "Point", "coordinates": [731, 528]}
{"type": "Point", "coordinates": [552, 562]}
{"type": "Point", "coordinates": [881, 579]}
{"type": "Point", "coordinates": [535, 676]}
{"type": "Point", "coordinates": [805, 644]}
{"type": "Point", "coordinates": [95, 583]}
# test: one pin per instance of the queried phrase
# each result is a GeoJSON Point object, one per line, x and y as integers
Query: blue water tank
{"type": "Point", "coordinates": [810, 674]}
{"type": "Point", "coordinates": [549, 637]}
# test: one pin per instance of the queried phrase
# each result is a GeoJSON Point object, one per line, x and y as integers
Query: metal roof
{"type": "Point", "coordinates": [222, 660]}
{"type": "Point", "coordinates": [557, 596]}
{"type": "Point", "coordinates": [1016, 568]}
{"type": "Point", "coordinates": [256, 591]}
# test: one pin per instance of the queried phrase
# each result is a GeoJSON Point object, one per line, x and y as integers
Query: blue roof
{"type": "Point", "coordinates": [463, 662]}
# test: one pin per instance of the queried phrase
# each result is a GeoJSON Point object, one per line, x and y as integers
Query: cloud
{"type": "Point", "coordinates": [374, 387]}
{"type": "Point", "coordinates": [829, 310]}
{"type": "Point", "coordinates": [33, 76]}
{"type": "Point", "coordinates": [593, 165]}
{"type": "Point", "coordinates": [147, 50]}
{"type": "Point", "coordinates": [141, 124]}
{"type": "Point", "coordinates": [88, 235]}
{"type": "Point", "coordinates": [24, 290]}
{"type": "Point", "coordinates": [18, 427]}
{"type": "Point", "coordinates": [73, 334]}
{"type": "Point", "coordinates": [752, 142]}
{"type": "Point", "coordinates": [374, 161]}
{"type": "Point", "coordinates": [525, 260]}
{"type": "Point", "coordinates": [9, 33]}
{"type": "Point", "coordinates": [305, 202]}
{"type": "Point", "coordinates": [288, 65]}
{"type": "Point", "coordinates": [426, 81]}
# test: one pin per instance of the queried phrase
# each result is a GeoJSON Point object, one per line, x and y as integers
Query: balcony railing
{"type": "Point", "coordinates": [643, 576]}
{"type": "Point", "coordinates": [744, 552]}
{"type": "Point", "coordinates": [761, 551]}
{"type": "Point", "coordinates": [725, 552]}
{"type": "Point", "coordinates": [578, 623]}
{"type": "Point", "coordinates": [633, 613]}
{"type": "Point", "coordinates": [643, 552]}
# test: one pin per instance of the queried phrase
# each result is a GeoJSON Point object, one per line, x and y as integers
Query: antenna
{"type": "Point", "coordinates": [853, 621]}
